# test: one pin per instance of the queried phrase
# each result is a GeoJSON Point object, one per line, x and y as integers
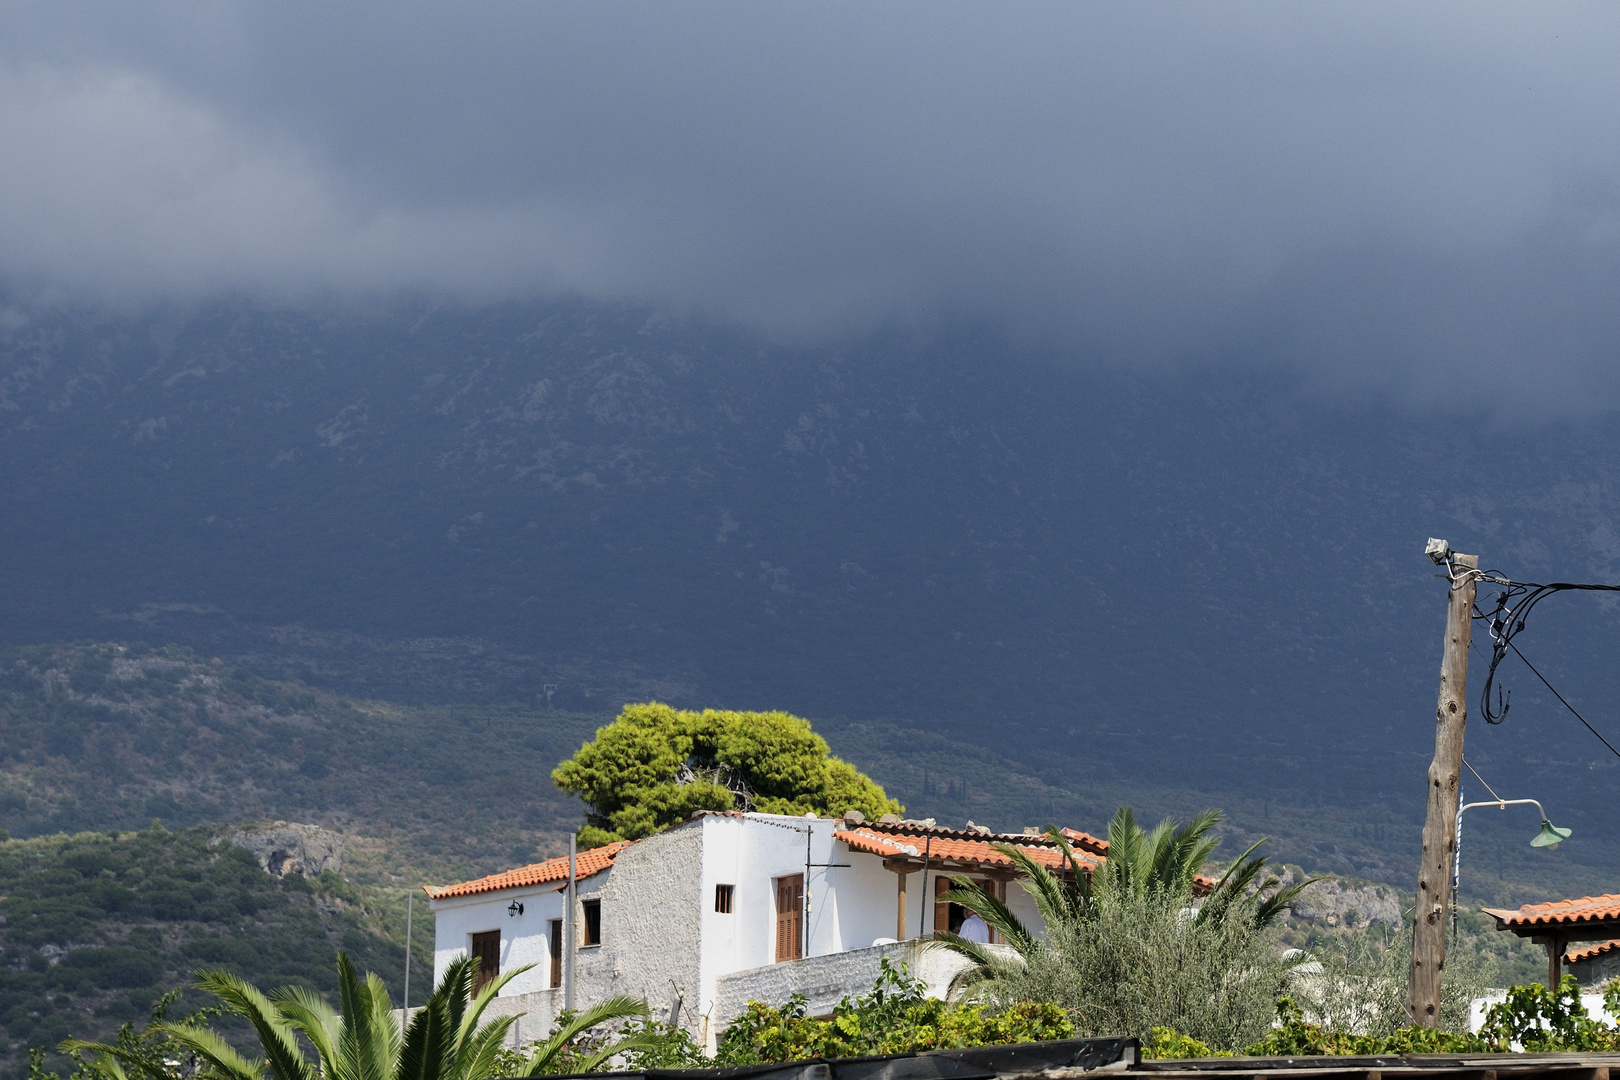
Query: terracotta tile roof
{"type": "Point", "coordinates": [586, 863]}
{"type": "Point", "coordinates": [1085, 841]}
{"type": "Point", "coordinates": [944, 847]}
{"type": "Point", "coordinates": [1572, 913]}
{"type": "Point", "coordinates": [1592, 952]}
{"type": "Point", "coordinates": [910, 839]}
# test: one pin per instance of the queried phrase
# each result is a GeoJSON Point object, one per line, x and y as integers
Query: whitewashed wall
{"type": "Point", "coordinates": [663, 941]}
{"type": "Point", "coordinates": [524, 938]}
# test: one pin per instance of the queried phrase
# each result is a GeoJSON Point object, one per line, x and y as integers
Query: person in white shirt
{"type": "Point", "coordinates": [976, 929]}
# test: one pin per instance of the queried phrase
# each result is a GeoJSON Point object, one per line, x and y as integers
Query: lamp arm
{"type": "Point", "coordinates": [1503, 804]}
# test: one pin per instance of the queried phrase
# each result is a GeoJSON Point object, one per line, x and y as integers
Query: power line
{"type": "Point", "coordinates": [1505, 622]}
{"type": "Point", "coordinates": [1536, 671]}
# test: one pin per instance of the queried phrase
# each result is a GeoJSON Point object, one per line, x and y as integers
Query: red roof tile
{"type": "Point", "coordinates": [1586, 909]}
{"type": "Point", "coordinates": [944, 846]}
{"type": "Point", "coordinates": [1085, 842]}
{"type": "Point", "coordinates": [910, 839]}
{"type": "Point", "coordinates": [586, 863]}
{"type": "Point", "coordinates": [1592, 952]}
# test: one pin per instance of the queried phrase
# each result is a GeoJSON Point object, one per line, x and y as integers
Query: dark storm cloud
{"type": "Point", "coordinates": [1426, 193]}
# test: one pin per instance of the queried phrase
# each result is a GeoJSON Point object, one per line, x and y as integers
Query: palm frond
{"type": "Point", "coordinates": [641, 1040]}
{"type": "Point", "coordinates": [1267, 910]}
{"type": "Point", "coordinates": [1180, 851]}
{"type": "Point", "coordinates": [996, 914]}
{"type": "Point", "coordinates": [429, 1047]}
{"type": "Point", "coordinates": [282, 1053]}
{"type": "Point", "coordinates": [1078, 892]}
{"type": "Point", "coordinates": [1235, 885]}
{"type": "Point", "coordinates": [227, 1062]}
{"type": "Point", "coordinates": [110, 1059]}
{"type": "Point", "coordinates": [1055, 898]}
{"type": "Point", "coordinates": [475, 1009]}
{"type": "Point", "coordinates": [455, 988]}
{"type": "Point", "coordinates": [476, 1057]}
{"type": "Point", "coordinates": [619, 1007]}
{"type": "Point", "coordinates": [1130, 851]}
{"type": "Point", "coordinates": [614, 1008]}
{"type": "Point", "coordinates": [987, 970]}
{"type": "Point", "coordinates": [313, 1017]}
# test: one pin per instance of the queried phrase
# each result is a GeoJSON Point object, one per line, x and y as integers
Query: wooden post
{"type": "Point", "coordinates": [1555, 962]}
{"type": "Point", "coordinates": [568, 924]}
{"type": "Point", "coordinates": [1440, 821]}
{"type": "Point", "coordinates": [900, 909]}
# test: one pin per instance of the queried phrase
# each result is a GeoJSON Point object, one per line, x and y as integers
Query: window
{"type": "Point", "coordinates": [722, 898]}
{"type": "Point", "coordinates": [556, 952]}
{"type": "Point", "coordinates": [789, 917]}
{"type": "Point", "coordinates": [593, 922]}
{"type": "Point", "coordinates": [486, 949]}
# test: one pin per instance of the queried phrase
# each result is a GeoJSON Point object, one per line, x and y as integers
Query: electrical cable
{"type": "Point", "coordinates": [1505, 621]}
{"type": "Point", "coordinates": [1537, 672]}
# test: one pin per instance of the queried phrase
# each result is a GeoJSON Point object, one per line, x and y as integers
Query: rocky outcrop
{"type": "Point", "coordinates": [1336, 901]}
{"type": "Point", "coordinates": [286, 847]}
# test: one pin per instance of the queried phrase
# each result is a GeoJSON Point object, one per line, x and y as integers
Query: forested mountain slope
{"type": "Point", "coordinates": [94, 927]}
{"type": "Point", "coordinates": [1198, 589]}
{"type": "Point", "coordinates": [99, 737]}
{"type": "Point", "coordinates": [108, 736]}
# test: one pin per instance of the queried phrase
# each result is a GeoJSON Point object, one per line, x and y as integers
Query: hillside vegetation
{"type": "Point", "coordinates": [98, 736]}
{"type": "Point", "coordinates": [1186, 593]}
{"type": "Point", "coordinates": [95, 926]}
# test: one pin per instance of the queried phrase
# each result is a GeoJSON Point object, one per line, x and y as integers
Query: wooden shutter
{"type": "Point", "coordinates": [942, 912]}
{"type": "Point", "coordinates": [556, 952]}
{"type": "Point", "coordinates": [486, 949]}
{"type": "Point", "coordinates": [789, 917]}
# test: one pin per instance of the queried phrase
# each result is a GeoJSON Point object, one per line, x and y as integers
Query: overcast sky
{"type": "Point", "coordinates": [1420, 192]}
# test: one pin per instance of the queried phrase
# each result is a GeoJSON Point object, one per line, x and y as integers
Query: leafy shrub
{"type": "Point", "coordinates": [1532, 1019]}
{"type": "Point", "coordinates": [1362, 980]}
{"type": "Point", "coordinates": [895, 1017]}
{"type": "Point", "coordinates": [1168, 1043]}
{"type": "Point", "coordinates": [115, 966]}
{"type": "Point", "coordinates": [657, 1045]}
{"type": "Point", "coordinates": [1539, 1021]}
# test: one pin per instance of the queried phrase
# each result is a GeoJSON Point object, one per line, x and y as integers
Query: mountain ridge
{"type": "Point", "coordinates": [1208, 584]}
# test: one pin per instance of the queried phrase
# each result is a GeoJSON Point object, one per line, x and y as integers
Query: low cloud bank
{"type": "Point", "coordinates": [1416, 199]}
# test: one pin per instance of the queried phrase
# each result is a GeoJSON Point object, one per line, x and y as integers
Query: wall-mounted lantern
{"type": "Point", "coordinates": [514, 909]}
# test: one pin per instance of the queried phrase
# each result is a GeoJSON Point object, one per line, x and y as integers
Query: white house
{"type": "Point", "coordinates": [729, 907]}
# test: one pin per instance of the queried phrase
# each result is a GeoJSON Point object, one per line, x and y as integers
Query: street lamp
{"type": "Point", "coordinates": [1549, 837]}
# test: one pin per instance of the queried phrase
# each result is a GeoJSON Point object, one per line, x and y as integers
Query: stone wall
{"type": "Point", "coordinates": [825, 980]}
{"type": "Point", "coordinates": [1596, 972]}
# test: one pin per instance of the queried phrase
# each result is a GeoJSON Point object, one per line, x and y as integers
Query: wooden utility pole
{"type": "Point", "coordinates": [1440, 821]}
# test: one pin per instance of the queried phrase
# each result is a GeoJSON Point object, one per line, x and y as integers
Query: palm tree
{"type": "Point", "coordinates": [445, 1040]}
{"type": "Point", "coordinates": [545, 1056]}
{"type": "Point", "coordinates": [1143, 909]}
